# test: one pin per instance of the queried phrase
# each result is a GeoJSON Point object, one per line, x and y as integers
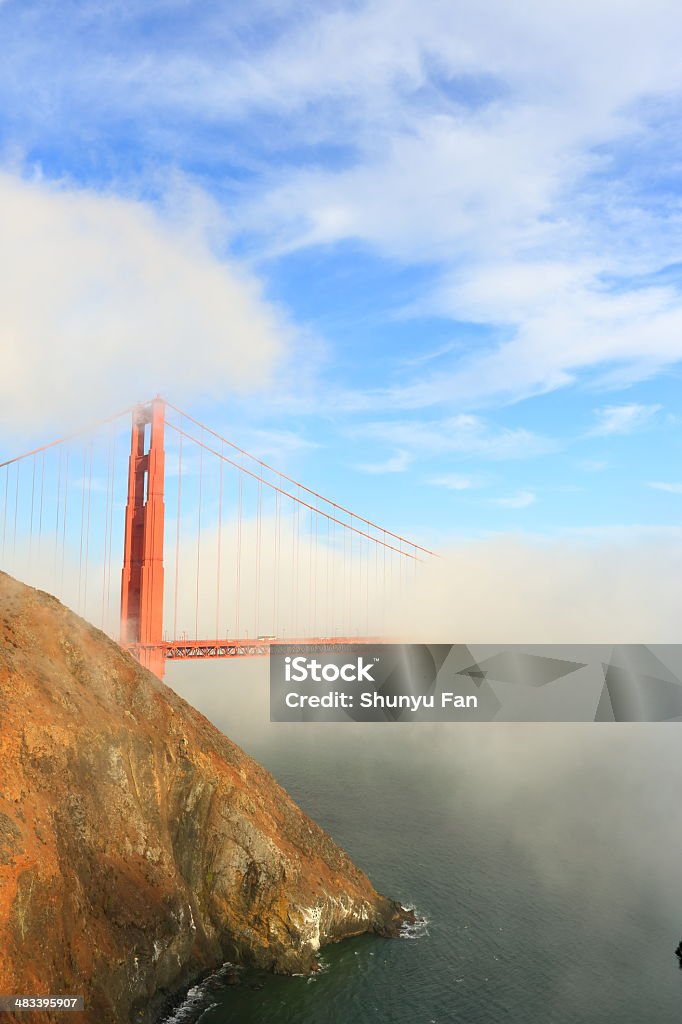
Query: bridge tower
{"type": "Point", "coordinates": [142, 577]}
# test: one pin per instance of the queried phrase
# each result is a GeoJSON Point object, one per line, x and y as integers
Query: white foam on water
{"type": "Point", "coordinates": [417, 930]}
{"type": "Point", "coordinates": [197, 1001]}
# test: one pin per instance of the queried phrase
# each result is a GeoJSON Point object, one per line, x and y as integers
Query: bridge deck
{"type": "Point", "coordinates": [179, 650]}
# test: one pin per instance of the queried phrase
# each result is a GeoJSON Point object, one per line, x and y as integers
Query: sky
{"type": "Point", "coordinates": [425, 257]}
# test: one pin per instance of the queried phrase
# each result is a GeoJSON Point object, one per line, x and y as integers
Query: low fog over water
{"type": "Point", "coordinates": [604, 796]}
{"type": "Point", "coordinates": [544, 857]}
{"type": "Point", "coordinates": [609, 792]}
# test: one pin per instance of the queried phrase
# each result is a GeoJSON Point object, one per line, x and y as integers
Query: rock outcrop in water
{"type": "Point", "coordinates": [138, 845]}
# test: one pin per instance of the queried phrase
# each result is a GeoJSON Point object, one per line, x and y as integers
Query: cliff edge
{"type": "Point", "coordinates": [138, 845]}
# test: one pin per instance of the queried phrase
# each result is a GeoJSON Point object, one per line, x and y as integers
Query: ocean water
{"type": "Point", "coordinates": [544, 860]}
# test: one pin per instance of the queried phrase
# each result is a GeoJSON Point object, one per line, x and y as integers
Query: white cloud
{"type": "Point", "coordinates": [522, 499]}
{"type": "Point", "coordinates": [503, 192]}
{"type": "Point", "coordinates": [435, 174]}
{"type": "Point", "coordinates": [623, 419]}
{"type": "Point", "coordinates": [482, 141]}
{"type": "Point", "coordinates": [389, 47]}
{"type": "Point", "coordinates": [105, 303]}
{"type": "Point", "coordinates": [455, 482]}
{"type": "Point", "coordinates": [562, 336]}
{"type": "Point", "coordinates": [464, 434]}
{"type": "Point", "coordinates": [671, 488]}
{"type": "Point", "coordinates": [397, 463]}
{"type": "Point", "coordinates": [277, 444]}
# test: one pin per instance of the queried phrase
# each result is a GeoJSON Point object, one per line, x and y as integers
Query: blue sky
{"type": "Point", "coordinates": [426, 257]}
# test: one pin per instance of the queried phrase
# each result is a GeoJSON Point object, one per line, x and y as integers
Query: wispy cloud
{"type": "Point", "coordinates": [277, 444]}
{"type": "Point", "coordinates": [623, 419]}
{"type": "Point", "coordinates": [520, 500]}
{"type": "Point", "coordinates": [449, 147]}
{"type": "Point", "coordinates": [455, 482]}
{"type": "Point", "coordinates": [453, 180]}
{"type": "Point", "coordinates": [397, 463]}
{"type": "Point", "coordinates": [671, 488]}
{"type": "Point", "coordinates": [466, 435]}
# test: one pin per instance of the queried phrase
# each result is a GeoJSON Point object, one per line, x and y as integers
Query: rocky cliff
{"type": "Point", "coordinates": [138, 845]}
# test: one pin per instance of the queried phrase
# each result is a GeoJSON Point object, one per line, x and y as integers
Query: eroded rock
{"type": "Point", "coordinates": [139, 846]}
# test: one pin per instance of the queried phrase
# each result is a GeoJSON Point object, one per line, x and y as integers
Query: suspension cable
{"type": "Point", "coordinates": [291, 480]}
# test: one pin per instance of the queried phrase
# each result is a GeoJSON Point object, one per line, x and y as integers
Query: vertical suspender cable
{"type": "Point", "coordinates": [400, 571]}
{"type": "Point", "coordinates": [40, 512]}
{"type": "Point", "coordinates": [350, 577]}
{"type": "Point", "coordinates": [57, 512]}
{"type": "Point", "coordinates": [196, 607]}
{"type": "Point", "coordinates": [16, 515]}
{"type": "Point", "coordinates": [376, 573]}
{"type": "Point", "coordinates": [87, 529]}
{"type": "Point", "coordinates": [220, 541]}
{"type": "Point", "coordinates": [66, 512]}
{"type": "Point", "coordinates": [111, 520]}
{"type": "Point", "coordinates": [4, 515]}
{"type": "Point", "coordinates": [332, 591]}
{"type": "Point", "coordinates": [327, 627]}
{"type": "Point", "coordinates": [383, 599]}
{"type": "Point", "coordinates": [297, 565]}
{"type": "Point", "coordinates": [259, 523]}
{"type": "Point", "coordinates": [107, 503]}
{"type": "Point", "coordinates": [291, 561]}
{"type": "Point", "coordinates": [275, 575]}
{"type": "Point", "coordinates": [80, 556]}
{"type": "Point", "coordinates": [367, 545]}
{"type": "Point", "coordinates": [310, 568]}
{"type": "Point", "coordinates": [238, 581]}
{"type": "Point", "coordinates": [177, 543]}
{"type": "Point", "coordinates": [104, 539]}
{"type": "Point", "coordinates": [343, 585]}
{"type": "Point", "coordinates": [315, 630]}
{"type": "Point", "coordinates": [33, 491]}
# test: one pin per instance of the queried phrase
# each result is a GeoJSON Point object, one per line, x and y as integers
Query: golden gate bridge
{"type": "Point", "coordinates": [219, 553]}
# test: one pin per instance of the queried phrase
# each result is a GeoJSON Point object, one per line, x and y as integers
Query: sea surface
{"type": "Point", "coordinates": [544, 860]}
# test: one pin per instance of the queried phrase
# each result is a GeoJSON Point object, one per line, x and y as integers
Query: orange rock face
{"type": "Point", "coordinates": [138, 845]}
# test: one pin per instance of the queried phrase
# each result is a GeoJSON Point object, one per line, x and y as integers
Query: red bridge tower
{"type": "Point", "coordinates": [142, 578]}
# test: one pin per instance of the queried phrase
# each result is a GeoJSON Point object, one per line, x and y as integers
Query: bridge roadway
{"type": "Point", "coordinates": [183, 650]}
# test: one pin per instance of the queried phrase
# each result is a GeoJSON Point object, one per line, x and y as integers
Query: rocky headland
{"type": "Point", "coordinates": [139, 847]}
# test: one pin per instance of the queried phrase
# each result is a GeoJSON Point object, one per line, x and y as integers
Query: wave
{"type": "Point", "coordinates": [417, 929]}
{"type": "Point", "coordinates": [200, 998]}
